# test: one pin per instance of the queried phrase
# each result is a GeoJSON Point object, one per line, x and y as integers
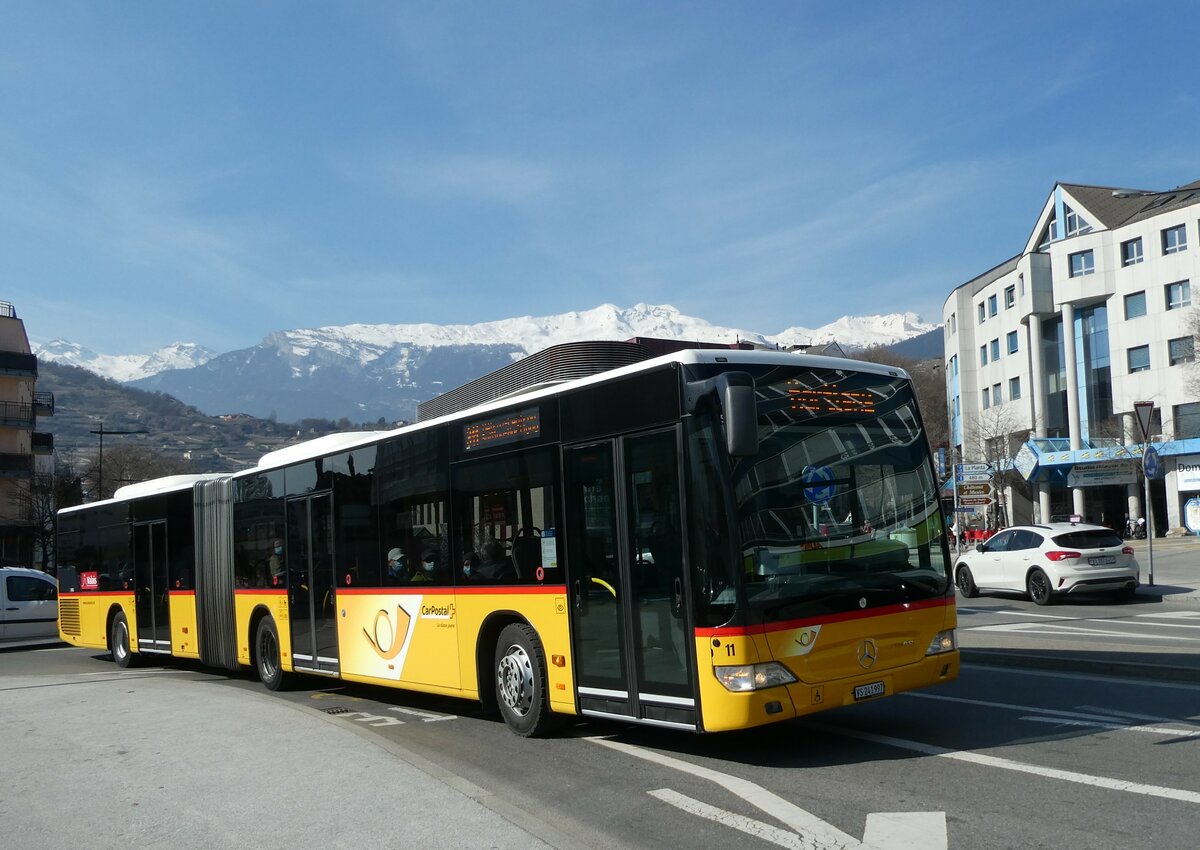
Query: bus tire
{"type": "Point", "coordinates": [118, 641]}
{"type": "Point", "coordinates": [267, 660]}
{"type": "Point", "coordinates": [521, 681]}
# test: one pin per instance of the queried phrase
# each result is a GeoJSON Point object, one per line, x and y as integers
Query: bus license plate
{"type": "Point", "coordinates": [875, 689]}
{"type": "Point", "coordinates": [1106, 559]}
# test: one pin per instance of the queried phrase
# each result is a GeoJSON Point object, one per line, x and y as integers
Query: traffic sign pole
{"type": "Point", "coordinates": [1145, 413]}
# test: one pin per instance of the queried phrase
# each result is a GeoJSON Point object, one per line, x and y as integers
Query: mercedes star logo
{"type": "Point", "coordinates": [867, 653]}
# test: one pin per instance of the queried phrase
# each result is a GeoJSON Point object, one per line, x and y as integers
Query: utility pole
{"type": "Point", "coordinates": [100, 464]}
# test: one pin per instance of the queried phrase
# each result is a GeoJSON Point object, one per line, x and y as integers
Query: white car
{"type": "Point", "coordinates": [28, 606]}
{"type": "Point", "coordinates": [1049, 561]}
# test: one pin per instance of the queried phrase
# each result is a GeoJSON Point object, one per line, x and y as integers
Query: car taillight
{"type": "Point", "coordinates": [1128, 550]}
{"type": "Point", "coordinates": [1061, 555]}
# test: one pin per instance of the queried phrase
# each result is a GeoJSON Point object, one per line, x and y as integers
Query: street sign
{"type": "Point", "coordinates": [1150, 462]}
{"type": "Point", "coordinates": [973, 476]}
{"type": "Point", "coordinates": [975, 501]}
{"type": "Point", "coordinates": [984, 489]}
{"type": "Point", "coordinates": [967, 509]}
{"type": "Point", "coordinates": [818, 488]}
{"type": "Point", "coordinates": [1144, 410]}
{"type": "Point", "coordinates": [972, 467]}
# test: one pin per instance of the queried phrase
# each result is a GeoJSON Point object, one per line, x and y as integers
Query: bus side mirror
{"type": "Point", "coordinates": [735, 394]}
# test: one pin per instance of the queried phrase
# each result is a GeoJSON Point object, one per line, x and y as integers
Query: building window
{"type": "Point", "coordinates": [1174, 239]}
{"type": "Point", "coordinates": [1139, 359]}
{"type": "Point", "coordinates": [1135, 305]}
{"type": "Point", "coordinates": [986, 399]}
{"type": "Point", "coordinates": [1012, 342]}
{"type": "Point", "coordinates": [995, 350]}
{"type": "Point", "coordinates": [1021, 281]}
{"type": "Point", "coordinates": [991, 305]}
{"type": "Point", "coordinates": [1010, 296]}
{"type": "Point", "coordinates": [953, 324]}
{"type": "Point", "coordinates": [1181, 350]}
{"type": "Point", "coordinates": [1082, 263]}
{"type": "Point", "coordinates": [1014, 389]}
{"type": "Point", "coordinates": [1131, 252]}
{"type": "Point", "coordinates": [996, 397]}
{"type": "Point", "coordinates": [983, 355]}
{"type": "Point", "coordinates": [982, 313]}
{"type": "Point", "coordinates": [1076, 224]}
{"type": "Point", "coordinates": [954, 365]}
{"type": "Point", "coordinates": [1187, 421]}
{"type": "Point", "coordinates": [1179, 294]}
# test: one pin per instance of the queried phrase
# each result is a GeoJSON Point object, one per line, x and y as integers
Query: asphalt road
{"type": "Point", "coordinates": [1007, 756]}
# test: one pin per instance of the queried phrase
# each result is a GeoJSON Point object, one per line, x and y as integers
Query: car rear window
{"type": "Point", "coordinates": [1092, 539]}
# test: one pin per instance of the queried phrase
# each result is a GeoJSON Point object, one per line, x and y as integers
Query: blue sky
{"type": "Point", "coordinates": [212, 171]}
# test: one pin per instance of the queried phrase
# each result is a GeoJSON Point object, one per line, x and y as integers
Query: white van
{"type": "Point", "coordinates": [28, 606]}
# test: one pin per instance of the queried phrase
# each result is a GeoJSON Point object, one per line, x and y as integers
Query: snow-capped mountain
{"type": "Point", "coordinates": [366, 371]}
{"type": "Point", "coordinates": [125, 367]}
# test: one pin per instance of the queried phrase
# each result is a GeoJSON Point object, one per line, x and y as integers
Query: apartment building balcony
{"type": "Point", "coordinates": [16, 414]}
{"type": "Point", "coordinates": [43, 404]}
{"type": "Point", "coordinates": [16, 465]}
{"type": "Point", "coordinates": [18, 365]}
{"type": "Point", "coordinates": [42, 443]}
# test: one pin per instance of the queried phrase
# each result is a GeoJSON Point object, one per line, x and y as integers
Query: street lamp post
{"type": "Point", "coordinates": [100, 464]}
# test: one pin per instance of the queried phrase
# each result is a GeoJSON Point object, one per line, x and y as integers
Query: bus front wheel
{"type": "Point", "coordinates": [118, 640]}
{"type": "Point", "coordinates": [266, 655]}
{"type": "Point", "coordinates": [521, 681]}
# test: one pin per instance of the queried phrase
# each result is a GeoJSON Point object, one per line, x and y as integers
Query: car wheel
{"type": "Point", "coordinates": [521, 681]}
{"type": "Point", "coordinates": [1038, 585]}
{"type": "Point", "coordinates": [966, 582]}
{"type": "Point", "coordinates": [118, 641]}
{"type": "Point", "coordinates": [266, 655]}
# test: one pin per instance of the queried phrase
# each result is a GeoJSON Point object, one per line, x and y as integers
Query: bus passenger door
{"type": "Point", "coordinates": [630, 620]}
{"type": "Point", "coordinates": [149, 581]}
{"type": "Point", "coordinates": [312, 608]}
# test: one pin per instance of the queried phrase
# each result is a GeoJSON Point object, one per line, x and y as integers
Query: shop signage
{"type": "Point", "coordinates": [1188, 467]}
{"type": "Point", "coordinates": [1102, 474]}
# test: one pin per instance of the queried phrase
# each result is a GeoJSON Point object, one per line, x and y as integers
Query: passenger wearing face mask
{"type": "Point", "coordinates": [275, 563]}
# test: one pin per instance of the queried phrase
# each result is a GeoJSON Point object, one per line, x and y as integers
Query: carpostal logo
{"type": "Point", "coordinates": [804, 639]}
{"type": "Point", "coordinates": [387, 633]}
{"type": "Point", "coordinates": [437, 612]}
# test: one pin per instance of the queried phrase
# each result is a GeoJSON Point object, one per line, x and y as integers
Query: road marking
{"type": "Point", "coordinates": [1173, 615]}
{"type": "Point", "coordinates": [137, 671]}
{"type": "Point", "coordinates": [1090, 678]}
{"type": "Point", "coordinates": [377, 720]}
{"type": "Point", "coordinates": [1116, 727]}
{"type": "Point", "coordinates": [916, 830]}
{"type": "Point", "coordinates": [426, 716]}
{"type": "Point", "coordinates": [1076, 631]}
{"type": "Point", "coordinates": [756, 828]}
{"type": "Point", "coordinates": [999, 612]}
{"type": "Point", "coordinates": [1021, 767]}
{"type": "Point", "coordinates": [1099, 715]}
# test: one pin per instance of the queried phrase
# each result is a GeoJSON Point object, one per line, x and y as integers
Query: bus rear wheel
{"type": "Point", "coordinates": [118, 640]}
{"type": "Point", "coordinates": [266, 655]}
{"type": "Point", "coordinates": [521, 681]}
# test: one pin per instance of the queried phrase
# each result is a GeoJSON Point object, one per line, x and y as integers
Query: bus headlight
{"type": "Point", "coordinates": [946, 641]}
{"type": "Point", "coordinates": [754, 677]}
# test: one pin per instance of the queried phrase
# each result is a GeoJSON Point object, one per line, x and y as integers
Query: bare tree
{"type": "Point", "coordinates": [129, 464]}
{"type": "Point", "coordinates": [929, 383]}
{"type": "Point", "coordinates": [994, 436]}
{"type": "Point", "coordinates": [1193, 372]}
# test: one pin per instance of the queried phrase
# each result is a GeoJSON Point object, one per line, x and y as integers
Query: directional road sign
{"type": "Point", "coordinates": [981, 489]}
{"type": "Point", "coordinates": [972, 467]}
{"type": "Point", "coordinates": [968, 477]}
{"type": "Point", "coordinates": [975, 501]}
{"type": "Point", "coordinates": [1150, 462]}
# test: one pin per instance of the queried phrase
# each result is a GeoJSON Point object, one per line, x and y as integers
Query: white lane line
{"type": "Point", "coordinates": [1033, 614]}
{"type": "Point", "coordinates": [1099, 715]}
{"type": "Point", "coordinates": [1116, 727]}
{"type": "Point", "coordinates": [57, 649]}
{"type": "Point", "coordinates": [1040, 629]}
{"type": "Point", "coordinates": [1021, 767]}
{"type": "Point", "coordinates": [822, 834]}
{"type": "Point", "coordinates": [1172, 615]}
{"type": "Point", "coordinates": [1126, 715]}
{"type": "Point", "coordinates": [756, 828]}
{"type": "Point", "coordinates": [138, 671]}
{"type": "Point", "coordinates": [426, 716]}
{"type": "Point", "coordinates": [884, 830]}
{"type": "Point", "coordinates": [1089, 678]}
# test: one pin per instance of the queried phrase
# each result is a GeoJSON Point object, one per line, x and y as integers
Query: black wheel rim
{"type": "Point", "coordinates": [1038, 588]}
{"type": "Point", "coordinates": [268, 655]}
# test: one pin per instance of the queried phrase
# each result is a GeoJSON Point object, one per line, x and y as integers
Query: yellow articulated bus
{"type": "Point", "coordinates": [707, 539]}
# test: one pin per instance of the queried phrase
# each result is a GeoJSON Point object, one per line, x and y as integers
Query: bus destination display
{"type": "Point", "coordinates": [510, 428]}
{"type": "Point", "coordinates": [829, 399]}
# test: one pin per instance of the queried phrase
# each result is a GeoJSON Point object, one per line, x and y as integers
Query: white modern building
{"type": "Point", "coordinates": [1047, 353]}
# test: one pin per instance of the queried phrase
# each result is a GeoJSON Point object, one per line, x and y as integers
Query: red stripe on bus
{"type": "Point", "coordinates": [847, 616]}
{"type": "Point", "coordinates": [181, 593]}
{"type": "Point", "coordinates": [259, 591]}
{"type": "Point", "coordinates": [442, 590]}
{"type": "Point", "coordinates": [88, 594]}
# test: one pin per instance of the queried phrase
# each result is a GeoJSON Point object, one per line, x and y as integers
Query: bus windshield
{"type": "Point", "coordinates": [838, 510]}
